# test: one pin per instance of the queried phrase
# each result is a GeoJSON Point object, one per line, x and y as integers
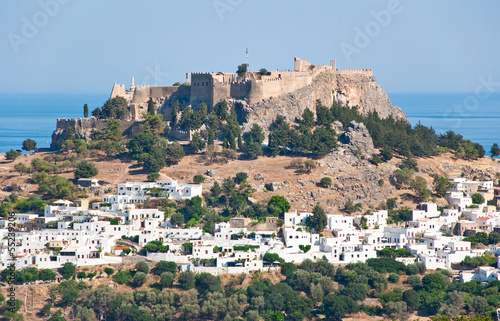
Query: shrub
{"type": "Point", "coordinates": [166, 279]}
{"type": "Point", "coordinates": [326, 181]}
{"type": "Point", "coordinates": [85, 170]}
{"type": "Point", "coordinates": [81, 275]}
{"type": "Point", "coordinates": [197, 179]}
{"type": "Point", "coordinates": [67, 270]}
{"type": "Point", "coordinates": [187, 280]}
{"type": "Point", "coordinates": [393, 278]}
{"type": "Point", "coordinates": [241, 177]}
{"type": "Point", "coordinates": [139, 279]}
{"type": "Point", "coordinates": [164, 266]}
{"type": "Point", "coordinates": [152, 177]}
{"type": "Point", "coordinates": [413, 280]}
{"type": "Point", "coordinates": [122, 277]}
{"type": "Point", "coordinates": [109, 271]}
{"type": "Point", "coordinates": [142, 267]}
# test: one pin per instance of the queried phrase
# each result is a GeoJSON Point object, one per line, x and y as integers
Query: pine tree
{"type": "Point", "coordinates": [211, 138]}
{"type": "Point", "coordinates": [151, 107]}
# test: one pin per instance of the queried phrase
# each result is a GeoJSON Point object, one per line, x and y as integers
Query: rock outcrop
{"type": "Point", "coordinates": [357, 139]}
{"type": "Point", "coordinates": [359, 90]}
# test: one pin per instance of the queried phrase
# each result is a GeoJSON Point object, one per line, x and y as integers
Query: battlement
{"type": "Point", "coordinates": [367, 72]}
{"type": "Point", "coordinates": [212, 87]}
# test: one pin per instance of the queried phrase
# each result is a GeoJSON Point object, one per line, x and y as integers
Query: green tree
{"type": "Point", "coordinates": [307, 121]}
{"type": "Point", "coordinates": [67, 270]}
{"type": "Point", "coordinates": [442, 185]}
{"type": "Point", "coordinates": [318, 220]}
{"type": "Point", "coordinates": [263, 71]}
{"type": "Point", "coordinates": [85, 169]}
{"type": "Point", "coordinates": [242, 70]}
{"type": "Point", "coordinates": [151, 107]}
{"type": "Point", "coordinates": [86, 111]}
{"type": "Point", "coordinates": [386, 153]}
{"type": "Point", "coordinates": [390, 203]}
{"type": "Point", "coordinates": [166, 279]}
{"type": "Point", "coordinates": [187, 280]}
{"type": "Point", "coordinates": [241, 177]}
{"type": "Point", "coordinates": [252, 150]}
{"type": "Point", "coordinates": [278, 206]}
{"type": "Point", "coordinates": [142, 266]}
{"type": "Point", "coordinates": [13, 154]}
{"type": "Point", "coordinates": [139, 279]}
{"type": "Point", "coordinates": [46, 275]}
{"type": "Point", "coordinates": [393, 278]}
{"type": "Point", "coordinates": [326, 181]}
{"type": "Point", "coordinates": [109, 271]}
{"type": "Point", "coordinates": [152, 177]}
{"type": "Point", "coordinates": [335, 307]}
{"type": "Point", "coordinates": [122, 277]}
{"type": "Point", "coordinates": [165, 266]}
{"type": "Point", "coordinates": [419, 185]}
{"type": "Point", "coordinates": [435, 281]}
{"type": "Point", "coordinates": [477, 198]}
{"type": "Point", "coordinates": [197, 179]}
{"type": "Point", "coordinates": [175, 153]}
{"type": "Point", "coordinates": [197, 143]}
{"type": "Point", "coordinates": [29, 145]}
{"type": "Point", "coordinates": [495, 150]}
{"type": "Point", "coordinates": [177, 219]}
{"type": "Point", "coordinates": [115, 108]}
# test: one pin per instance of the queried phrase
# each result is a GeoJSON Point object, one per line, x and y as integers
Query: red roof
{"type": "Point", "coordinates": [482, 219]}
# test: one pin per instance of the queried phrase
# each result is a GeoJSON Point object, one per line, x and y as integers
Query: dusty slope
{"type": "Point", "coordinates": [352, 177]}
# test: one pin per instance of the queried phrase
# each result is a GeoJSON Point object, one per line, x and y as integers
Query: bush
{"type": "Point", "coordinates": [109, 271]}
{"type": "Point", "coordinates": [142, 267]}
{"type": "Point", "coordinates": [13, 154]}
{"type": "Point", "coordinates": [167, 279]}
{"type": "Point", "coordinates": [187, 280]}
{"type": "Point", "coordinates": [413, 280]}
{"type": "Point", "coordinates": [240, 177]}
{"type": "Point", "coordinates": [122, 277]}
{"type": "Point", "coordinates": [152, 177]}
{"type": "Point", "coordinates": [139, 279]}
{"type": "Point", "coordinates": [393, 278]}
{"type": "Point", "coordinates": [197, 179]}
{"type": "Point", "coordinates": [326, 182]}
{"type": "Point", "coordinates": [85, 170]}
{"type": "Point", "coordinates": [164, 266]}
{"type": "Point", "coordinates": [67, 270]}
{"type": "Point", "coordinates": [81, 275]}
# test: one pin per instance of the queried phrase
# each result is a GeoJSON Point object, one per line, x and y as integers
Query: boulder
{"type": "Point", "coordinates": [357, 138]}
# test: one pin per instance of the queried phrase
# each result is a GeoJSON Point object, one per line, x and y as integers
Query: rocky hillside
{"type": "Point", "coordinates": [356, 90]}
{"type": "Point", "coordinates": [353, 176]}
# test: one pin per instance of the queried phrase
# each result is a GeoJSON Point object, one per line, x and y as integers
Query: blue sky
{"type": "Point", "coordinates": [74, 46]}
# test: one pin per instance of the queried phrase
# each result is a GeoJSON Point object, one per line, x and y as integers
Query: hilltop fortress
{"type": "Point", "coordinates": [258, 97]}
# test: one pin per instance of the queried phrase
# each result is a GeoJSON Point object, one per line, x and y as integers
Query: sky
{"type": "Point", "coordinates": [70, 46]}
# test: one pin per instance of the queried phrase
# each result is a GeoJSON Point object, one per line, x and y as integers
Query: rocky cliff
{"type": "Point", "coordinates": [359, 90]}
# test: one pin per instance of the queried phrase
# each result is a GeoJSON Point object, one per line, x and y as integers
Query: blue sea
{"type": "Point", "coordinates": [34, 115]}
{"type": "Point", "coordinates": [475, 117]}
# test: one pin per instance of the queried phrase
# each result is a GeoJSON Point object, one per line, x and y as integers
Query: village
{"type": "Point", "coordinates": [104, 232]}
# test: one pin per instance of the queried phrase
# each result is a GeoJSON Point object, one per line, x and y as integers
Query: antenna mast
{"type": "Point", "coordinates": [156, 73]}
{"type": "Point", "coordinates": [247, 59]}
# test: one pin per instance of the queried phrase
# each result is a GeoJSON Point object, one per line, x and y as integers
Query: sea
{"type": "Point", "coordinates": [475, 117]}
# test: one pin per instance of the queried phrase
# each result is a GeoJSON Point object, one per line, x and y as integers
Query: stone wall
{"type": "Point", "coordinates": [83, 129]}
{"type": "Point", "coordinates": [202, 85]}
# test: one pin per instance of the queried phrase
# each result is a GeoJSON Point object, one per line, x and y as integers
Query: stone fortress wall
{"type": "Point", "coordinates": [291, 91]}
{"type": "Point", "coordinates": [213, 87]}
